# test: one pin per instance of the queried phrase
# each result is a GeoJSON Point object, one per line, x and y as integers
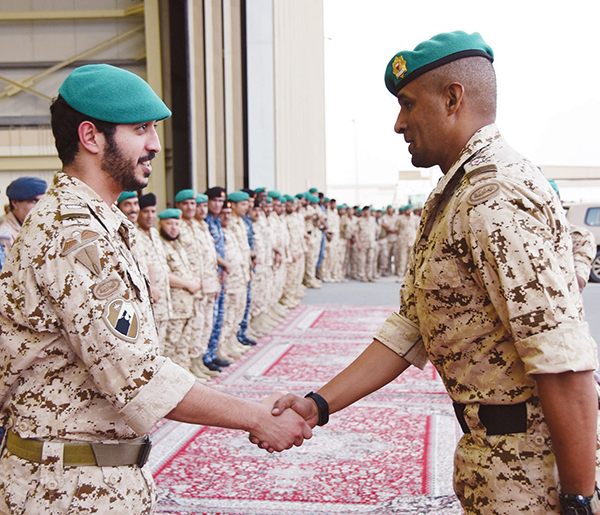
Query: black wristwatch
{"type": "Point", "coordinates": [579, 505]}
{"type": "Point", "coordinates": [322, 407]}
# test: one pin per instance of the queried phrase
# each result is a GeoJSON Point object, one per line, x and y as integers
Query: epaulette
{"type": "Point", "coordinates": [477, 170]}
{"type": "Point", "coordinates": [74, 214]}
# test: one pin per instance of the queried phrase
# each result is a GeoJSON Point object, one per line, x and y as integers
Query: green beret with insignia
{"type": "Point", "coordinates": [259, 190]}
{"type": "Point", "coordinates": [274, 194]}
{"type": "Point", "coordinates": [442, 49]}
{"type": "Point", "coordinates": [125, 195]}
{"type": "Point", "coordinates": [171, 212]}
{"type": "Point", "coordinates": [201, 198]}
{"type": "Point", "coordinates": [238, 196]}
{"type": "Point", "coordinates": [112, 94]}
{"type": "Point", "coordinates": [185, 195]}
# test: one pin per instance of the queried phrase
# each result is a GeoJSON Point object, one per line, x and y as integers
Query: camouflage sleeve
{"type": "Point", "coordinates": [521, 255]}
{"type": "Point", "coordinates": [101, 301]}
{"type": "Point", "coordinates": [401, 331]}
{"type": "Point", "coordinates": [584, 250]}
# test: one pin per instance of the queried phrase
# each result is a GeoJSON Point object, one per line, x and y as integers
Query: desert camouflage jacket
{"type": "Point", "coordinates": [491, 295]}
{"type": "Point", "coordinates": [78, 343]}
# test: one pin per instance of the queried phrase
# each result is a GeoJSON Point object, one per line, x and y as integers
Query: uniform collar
{"type": "Point", "coordinates": [481, 138]}
{"type": "Point", "coordinates": [108, 215]}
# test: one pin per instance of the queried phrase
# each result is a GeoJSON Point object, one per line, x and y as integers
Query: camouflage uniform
{"type": "Point", "coordinates": [181, 325]}
{"type": "Point", "coordinates": [584, 250]}
{"type": "Point", "coordinates": [367, 234]}
{"type": "Point", "coordinates": [78, 356]}
{"type": "Point", "coordinates": [9, 230]}
{"type": "Point", "coordinates": [152, 253]}
{"type": "Point", "coordinates": [490, 299]}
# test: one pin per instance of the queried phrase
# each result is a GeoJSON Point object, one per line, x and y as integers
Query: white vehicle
{"type": "Point", "coordinates": [588, 216]}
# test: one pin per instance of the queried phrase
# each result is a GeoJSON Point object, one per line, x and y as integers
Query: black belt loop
{"type": "Point", "coordinates": [498, 419]}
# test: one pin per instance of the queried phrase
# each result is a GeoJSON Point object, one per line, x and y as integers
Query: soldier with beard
{"type": "Point", "coordinates": [81, 380]}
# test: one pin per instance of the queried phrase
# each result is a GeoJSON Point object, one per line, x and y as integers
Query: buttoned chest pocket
{"type": "Point", "coordinates": [438, 274]}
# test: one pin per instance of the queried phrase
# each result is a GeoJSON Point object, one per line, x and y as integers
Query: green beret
{"type": "Point", "coordinates": [313, 190]}
{"type": "Point", "coordinates": [201, 198]}
{"type": "Point", "coordinates": [359, 211]}
{"type": "Point", "coordinates": [125, 195]}
{"type": "Point", "coordinates": [314, 199]}
{"type": "Point", "coordinates": [274, 194]}
{"type": "Point", "coordinates": [327, 199]}
{"type": "Point", "coordinates": [170, 213]}
{"type": "Point", "coordinates": [300, 195]}
{"type": "Point", "coordinates": [259, 190]}
{"type": "Point", "coordinates": [269, 200]}
{"type": "Point", "coordinates": [112, 94]}
{"type": "Point", "coordinates": [442, 49]}
{"type": "Point", "coordinates": [238, 196]}
{"type": "Point", "coordinates": [185, 195]}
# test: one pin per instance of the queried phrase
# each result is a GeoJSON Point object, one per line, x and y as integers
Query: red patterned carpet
{"type": "Point", "coordinates": [389, 454]}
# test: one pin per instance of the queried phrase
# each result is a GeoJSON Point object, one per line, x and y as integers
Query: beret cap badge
{"type": "Point", "coordinates": [399, 66]}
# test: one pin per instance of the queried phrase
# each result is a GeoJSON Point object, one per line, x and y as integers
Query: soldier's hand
{"type": "Point", "coordinates": [194, 285]}
{"type": "Point", "coordinates": [305, 407]}
{"type": "Point", "coordinates": [281, 432]}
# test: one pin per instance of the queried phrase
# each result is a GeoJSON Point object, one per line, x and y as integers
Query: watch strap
{"type": "Point", "coordinates": [322, 407]}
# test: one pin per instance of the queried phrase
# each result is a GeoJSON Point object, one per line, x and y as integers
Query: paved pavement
{"type": "Point", "coordinates": [384, 292]}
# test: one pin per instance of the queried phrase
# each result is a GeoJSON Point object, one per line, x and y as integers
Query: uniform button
{"type": "Point", "coordinates": [113, 479]}
{"type": "Point", "coordinates": [23, 426]}
{"type": "Point", "coordinates": [52, 484]}
{"type": "Point", "coordinates": [539, 440]}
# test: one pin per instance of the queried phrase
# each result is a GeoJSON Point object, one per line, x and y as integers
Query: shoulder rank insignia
{"type": "Point", "coordinates": [484, 192]}
{"type": "Point", "coordinates": [78, 239]}
{"type": "Point", "coordinates": [122, 319]}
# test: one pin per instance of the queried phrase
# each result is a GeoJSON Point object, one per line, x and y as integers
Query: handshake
{"type": "Point", "coordinates": [285, 420]}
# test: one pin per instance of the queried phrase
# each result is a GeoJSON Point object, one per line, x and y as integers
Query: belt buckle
{"type": "Point", "coordinates": [145, 452]}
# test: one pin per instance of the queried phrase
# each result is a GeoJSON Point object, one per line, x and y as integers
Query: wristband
{"type": "Point", "coordinates": [580, 505]}
{"type": "Point", "coordinates": [322, 407]}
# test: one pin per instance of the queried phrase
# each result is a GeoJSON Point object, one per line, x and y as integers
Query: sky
{"type": "Point", "coordinates": [546, 61]}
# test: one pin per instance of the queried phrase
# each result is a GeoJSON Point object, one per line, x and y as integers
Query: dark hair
{"type": "Point", "coordinates": [65, 122]}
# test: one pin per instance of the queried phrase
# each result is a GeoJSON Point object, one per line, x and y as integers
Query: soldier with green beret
{"type": "Point", "coordinates": [129, 205]}
{"type": "Point", "coordinates": [187, 194]}
{"type": "Point", "coordinates": [490, 298]}
{"type": "Point", "coordinates": [82, 380]}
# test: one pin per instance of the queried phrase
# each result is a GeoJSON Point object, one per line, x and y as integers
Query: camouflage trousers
{"type": "Point", "coordinates": [507, 474]}
{"type": "Point", "coordinates": [27, 487]}
{"type": "Point", "coordinates": [366, 264]}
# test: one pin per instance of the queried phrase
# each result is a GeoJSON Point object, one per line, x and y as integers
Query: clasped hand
{"type": "Point", "coordinates": [291, 412]}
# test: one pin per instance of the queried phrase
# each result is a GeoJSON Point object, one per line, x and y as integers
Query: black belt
{"type": "Point", "coordinates": [498, 419]}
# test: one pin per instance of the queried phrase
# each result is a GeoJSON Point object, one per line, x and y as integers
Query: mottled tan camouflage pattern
{"type": "Point", "coordinates": [68, 369]}
{"type": "Point", "coordinates": [263, 269]}
{"type": "Point", "coordinates": [182, 328]}
{"type": "Point", "coordinates": [584, 250]}
{"type": "Point", "coordinates": [492, 289]}
{"type": "Point", "coordinates": [153, 255]}
{"type": "Point", "coordinates": [367, 235]}
{"type": "Point", "coordinates": [9, 230]}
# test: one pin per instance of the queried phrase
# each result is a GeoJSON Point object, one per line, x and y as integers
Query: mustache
{"type": "Point", "coordinates": [149, 157]}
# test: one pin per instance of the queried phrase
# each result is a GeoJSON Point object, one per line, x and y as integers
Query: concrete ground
{"type": "Point", "coordinates": [384, 292]}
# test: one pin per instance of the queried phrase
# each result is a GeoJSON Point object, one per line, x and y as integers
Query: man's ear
{"type": "Point", "coordinates": [454, 96]}
{"type": "Point", "coordinates": [89, 137]}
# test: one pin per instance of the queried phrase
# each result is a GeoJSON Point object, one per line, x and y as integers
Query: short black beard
{"type": "Point", "coordinates": [119, 168]}
{"type": "Point", "coordinates": [166, 236]}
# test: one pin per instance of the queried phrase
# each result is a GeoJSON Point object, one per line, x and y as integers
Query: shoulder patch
{"type": "Point", "coordinates": [122, 319]}
{"type": "Point", "coordinates": [89, 257]}
{"type": "Point", "coordinates": [484, 192]}
{"type": "Point", "coordinates": [106, 288]}
{"type": "Point", "coordinates": [474, 173]}
{"type": "Point", "coordinates": [78, 238]}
